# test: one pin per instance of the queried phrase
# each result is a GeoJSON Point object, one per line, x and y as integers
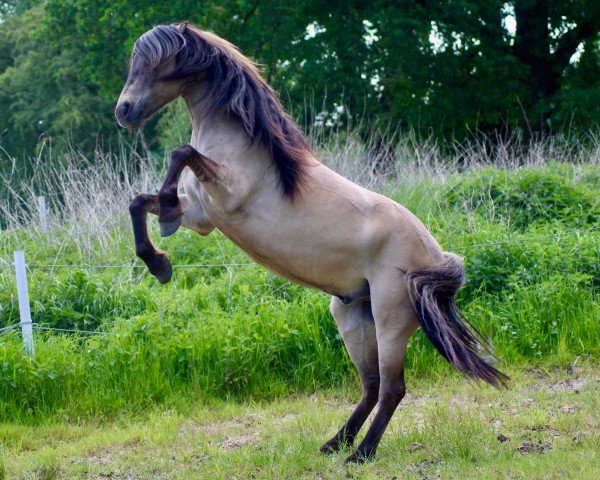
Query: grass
{"type": "Point", "coordinates": [230, 372]}
{"type": "Point", "coordinates": [544, 427]}
{"type": "Point", "coordinates": [229, 330]}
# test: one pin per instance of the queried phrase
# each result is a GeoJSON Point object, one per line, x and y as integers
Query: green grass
{"type": "Point", "coordinates": [447, 428]}
{"type": "Point", "coordinates": [529, 196]}
{"type": "Point", "coordinates": [237, 332]}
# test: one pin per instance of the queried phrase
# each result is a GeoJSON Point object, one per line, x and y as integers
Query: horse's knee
{"type": "Point", "coordinates": [168, 194]}
{"type": "Point", "coordinates": [144, 251]}
{"type": "Point", "coordinates": [182, 153]}
{"type": "Point", "coordinates": [371, 386]}
{"type": "Point", "coordinates": [138, 204]}
{"type": "Point", "coordinates": [169, 202]}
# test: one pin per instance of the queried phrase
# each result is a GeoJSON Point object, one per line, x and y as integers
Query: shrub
{"type": "Point", "coordinates": [76, 298]}
{"type": "Point", "coordinates": [524, 197]}
{"type": "Point", "coordinates": [502, 262]}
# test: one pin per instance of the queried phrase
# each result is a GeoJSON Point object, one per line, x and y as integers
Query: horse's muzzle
{"type": "Point", "coordinates": [127, 116]}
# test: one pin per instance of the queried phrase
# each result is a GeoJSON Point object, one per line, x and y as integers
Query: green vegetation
{"type": "Point", "coordinates": [529, 197]}
{"type": "Point", "coordinates": [447, 67]}
{"type": "Point", "coordinates": [228, 329]}
{"type": "Point", "coordinates": [544, 427]}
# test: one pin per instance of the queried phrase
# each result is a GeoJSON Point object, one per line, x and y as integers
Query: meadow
{"type": "Point", "coordinates": [226, 338]}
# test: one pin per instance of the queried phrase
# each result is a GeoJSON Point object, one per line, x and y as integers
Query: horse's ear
{"type": "Point", "coordinates": [182, 27]}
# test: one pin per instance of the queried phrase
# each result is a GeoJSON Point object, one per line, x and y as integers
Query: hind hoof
{"type": "Point", "coordinates": [160, 266]}
{"type": "Point", "coordinates": [333, 446]}
{"type": "Point", "coordinates": [169, 228]}
{"type": "Point", "coordinates": [359, 457]}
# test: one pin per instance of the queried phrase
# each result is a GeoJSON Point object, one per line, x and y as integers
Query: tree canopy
{"type": "Point", "coordinates": [447, 67]}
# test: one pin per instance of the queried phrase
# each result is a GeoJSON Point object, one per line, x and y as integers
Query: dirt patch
{"type": "Point", "coordinates": [238, 442]}
{"type": "Point", "coordinates": [288, 417]}
{"type": "Point", "coordinates": [229, 434]}
{"type": "Point", "coordinates": [416, 446]}
{"type": "Point", "coordinates": [575, 385]}
{"type": "Point", "coordinates": [189, 429]}
{"type": "Point", "coordinates": [192, 429]}
{"type": "Point", "coordinates": [528, 446]}
{"type": "Point", "coordinates": [415, 400]}
{"type": "Point", "coordinates": [497, 424]}
{"type": "Point", "coordinates": [568, 409]}
{"type": "Point", "coordinates": [420, 468]}
{"type": "Point", "coordinates": [102, 458]}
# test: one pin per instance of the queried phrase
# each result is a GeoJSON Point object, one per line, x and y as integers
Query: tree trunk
{"type": "Point", "coordinates": [532, 48]}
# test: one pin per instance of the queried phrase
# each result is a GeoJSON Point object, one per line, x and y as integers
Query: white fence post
{"type": "Point", "coordinates": [43, 214]}
{"type": "Point", "coordinates": [24, 311]}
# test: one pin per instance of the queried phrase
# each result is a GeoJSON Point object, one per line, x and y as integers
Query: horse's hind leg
{"type": "Point", "coordinates": [355, 323]}
{"type": "Point", "coordinates": [395, 322]}
{"type": "Point", "coordinates": [156, 261]}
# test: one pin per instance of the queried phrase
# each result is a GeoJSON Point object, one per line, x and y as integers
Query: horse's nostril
{"type": "Point", "coordinates": [124, 109]}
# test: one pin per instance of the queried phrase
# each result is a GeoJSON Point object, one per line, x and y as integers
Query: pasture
{"type": "Point", "coordinates": [544, 427]}
{"type": "Point", "coordinates": [232, 372]}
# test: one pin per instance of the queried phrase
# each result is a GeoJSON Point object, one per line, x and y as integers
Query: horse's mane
{"type": "Point", "coordinates": [235, 85]}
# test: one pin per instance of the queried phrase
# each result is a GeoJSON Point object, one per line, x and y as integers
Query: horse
{"type": "Point", "coordinates": [250, 172]}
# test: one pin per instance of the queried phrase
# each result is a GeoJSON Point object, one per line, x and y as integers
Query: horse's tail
{"type": "Point", "coordinates": [432, 291]}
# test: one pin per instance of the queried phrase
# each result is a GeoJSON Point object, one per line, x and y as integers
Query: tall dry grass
{"type": "Point", "coordinates": [89, 196]}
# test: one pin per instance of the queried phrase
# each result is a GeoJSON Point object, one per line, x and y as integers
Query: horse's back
{"type": "Point", "coordinates": [389, 230]}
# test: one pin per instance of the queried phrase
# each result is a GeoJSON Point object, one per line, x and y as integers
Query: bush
{"type": "Point", "coordinates": [502, 262]}
{"type": "Point", "coordinates": [273, 348]}
{"type": "Point", "coordinates": [525, 197]}
{"type": "Point", "coordinates": [558, 318]}
{"type": "Point", "coordinates": [77, 299]}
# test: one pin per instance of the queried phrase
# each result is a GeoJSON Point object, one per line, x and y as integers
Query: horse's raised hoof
{"type": "Point", "coordinates": [169, 228]}
{"type": "Point", "coordinates": [160, 266]}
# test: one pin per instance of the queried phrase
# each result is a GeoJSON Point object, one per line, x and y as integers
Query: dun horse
{"type": "Point", "coordinates": [252, 175]}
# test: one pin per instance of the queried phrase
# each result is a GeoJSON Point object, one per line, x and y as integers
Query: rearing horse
{"type": "Point", "coordinates": [252, 175]}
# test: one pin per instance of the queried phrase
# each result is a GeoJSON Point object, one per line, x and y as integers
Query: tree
{"type": "Point", "coordinates": [455, 66]}
{"type": "Point", "coordinates": [452, 67]}
{"type": "Point", "coordinates": [41, 94]}
{"type": "Point", "coordinates": [548, 35]}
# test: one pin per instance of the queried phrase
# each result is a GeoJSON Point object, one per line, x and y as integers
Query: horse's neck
{"type": "Point", "coordinates": [223, 139]}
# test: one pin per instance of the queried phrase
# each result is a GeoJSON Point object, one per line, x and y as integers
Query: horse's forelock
{"type": "Point", "coordinates": [159, 45]}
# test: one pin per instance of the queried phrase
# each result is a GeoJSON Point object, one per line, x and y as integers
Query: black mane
{"type": "Point", "coordinates": [234, 85]}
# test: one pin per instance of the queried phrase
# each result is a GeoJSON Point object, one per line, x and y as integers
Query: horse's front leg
{"type": "Point", "coordinates": [226, 191]}
{"type": "Point", "coordinates": [191, 216]}
{"type": "Point", "coordinates": [156, 260]}
{"type": "Point", "coordinates": [170, 211]}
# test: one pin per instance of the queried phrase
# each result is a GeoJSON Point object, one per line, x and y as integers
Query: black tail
{"type": "Point", "coordinates": [432, 291]}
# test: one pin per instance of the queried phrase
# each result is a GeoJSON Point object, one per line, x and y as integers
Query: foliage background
{"type": "Point", "coordinates": [451, 67]}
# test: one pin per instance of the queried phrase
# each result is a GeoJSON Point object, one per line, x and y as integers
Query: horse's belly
{"type": "Point", "coordinates": [304, 257]}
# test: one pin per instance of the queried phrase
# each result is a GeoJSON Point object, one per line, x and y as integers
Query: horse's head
{"type": "Point", "coordinates": [154, 78]}
{"type": "Point", "coordinates": [214, 77]}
